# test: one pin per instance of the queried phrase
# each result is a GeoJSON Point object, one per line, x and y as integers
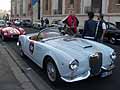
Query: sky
{"type": "Point", "coordinates": [5, 4]}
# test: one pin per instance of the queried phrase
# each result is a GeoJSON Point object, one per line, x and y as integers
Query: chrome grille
{"type": "Point", "coordinates": [95, 63]}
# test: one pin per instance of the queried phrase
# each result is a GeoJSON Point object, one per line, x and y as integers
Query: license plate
{"type": "Point", "coordinates": [104, 74]}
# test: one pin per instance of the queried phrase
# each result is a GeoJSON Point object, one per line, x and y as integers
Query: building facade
{"type": "Point", "coordinates": [21, 9]}
{"type": "Point", "coordinates": [58, 9]}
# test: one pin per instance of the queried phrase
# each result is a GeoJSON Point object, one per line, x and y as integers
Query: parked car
{"type": "Point", "coordinates": [113, 33]}
{"type": "Point", "coordinates": [2, 23]}
{"type": "Point", "coordinates": [11, 32]}
{"type": "Point", "coordinates": [27, 23]}
{"type": "Point", "coordinates": [37, 25]}
{"type": "Point", "coordinates": [18, 22]}
{"type": "Point", "coordinates": [57, 23]}
{"type": "Point", "coordinates": [68, 58]}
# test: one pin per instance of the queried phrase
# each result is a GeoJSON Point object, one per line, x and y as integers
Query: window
{"type": "Point", "coordinates": [48, 33]}
{"type": "Point", "coordinates": [96, 7]}
{"type": "Point", "coordinates": [46, 5]}
{"type": "Point", "coordinates": [59, 6]}
{"type": "Point", "coordinates": [72, 2]}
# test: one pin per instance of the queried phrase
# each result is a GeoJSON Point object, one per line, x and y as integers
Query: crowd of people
{"type": "Point", "coordinates": [44, 22]}
{"type": "Point", "coordinates": [92, 28]}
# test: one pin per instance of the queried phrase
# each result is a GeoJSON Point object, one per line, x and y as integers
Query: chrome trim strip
{"type": "Point", "coordinates": [118, 39]}
{"type": "Point", "coordinates": [76, 79]}
{"type": "Point", "coordinates": [109, 68]}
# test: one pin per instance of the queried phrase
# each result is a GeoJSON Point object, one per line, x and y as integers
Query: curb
{"type": "Point", "coordinates": [18, 72]}
{"type": "Point", "coordinates": [35, 82]}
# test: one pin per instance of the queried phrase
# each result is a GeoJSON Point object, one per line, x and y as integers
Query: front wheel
{"type": "Point", "coordinates": [52, 72]}
{"type": "Point", "coordinates": [21, 51]}
{"type": "Point", "coordinates": [3, 37]}
{"type": "Point", "coordinates": [112, 40]}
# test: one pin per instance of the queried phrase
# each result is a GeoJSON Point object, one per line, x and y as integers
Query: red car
{"type": "Point", "coordinates": [11, 32]}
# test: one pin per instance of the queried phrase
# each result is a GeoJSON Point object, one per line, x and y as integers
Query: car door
{"type": "Point", "coordinates": [29, 46]}
{"type": "Point", "coordinates": [33, 50]}
{"type": "Point", "coordinates": [39, 52]}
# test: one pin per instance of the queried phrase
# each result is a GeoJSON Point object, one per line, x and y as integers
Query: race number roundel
{"type": "Point", "coordinates": [31, 47]}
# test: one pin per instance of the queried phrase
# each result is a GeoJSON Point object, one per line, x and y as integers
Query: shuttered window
{"type": "Point", "coordinates": [46, 5]}
{"type": "Point", "coordinates": [71, 1]}
{"type": "Point", "coordinates": [118, 1]}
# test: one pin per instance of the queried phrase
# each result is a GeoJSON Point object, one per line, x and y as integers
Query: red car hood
{"type": "Point", "coordinates": [13, 30]}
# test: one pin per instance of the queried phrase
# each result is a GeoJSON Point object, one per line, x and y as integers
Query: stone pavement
{"type": "Point", "coordinates": [11, 78]}
{"type": "Point", "coordinates": [7, 79]}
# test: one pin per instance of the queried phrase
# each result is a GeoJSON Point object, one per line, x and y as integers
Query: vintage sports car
{"type": "Point", "coordinates": [11, 32]}
{"type": "Point", "coordinates": [68, 58]}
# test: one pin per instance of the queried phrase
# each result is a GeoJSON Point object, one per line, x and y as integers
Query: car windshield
{"type": "Point", "coordinates": [2, 22]}
{"type": "Point", "coordinates": [112, 26]}
{"type": "Point", "coordinates": [27, 21]}
{"type": "Point", "coordinates": [48, 33]}
{"type": "Point", "coordinates": [18, 20]}
{"type": "Point", "coordinates": [56, 22]}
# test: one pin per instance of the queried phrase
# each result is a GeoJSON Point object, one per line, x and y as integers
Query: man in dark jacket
{"type": "Point", "coordinates": [89, 26]}
{"type": "Point", "coordinates": [42, 22]}
{"type": "Point", "coordinates": [47, 22]}
{"type": "Point", "coordinates": [72, 22]}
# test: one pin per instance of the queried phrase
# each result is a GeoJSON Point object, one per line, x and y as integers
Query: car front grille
{"type": "Point", "coordinates": [95, 63]}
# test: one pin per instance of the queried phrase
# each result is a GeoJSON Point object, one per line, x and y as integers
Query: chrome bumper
{"type": "Point", "coordinates": [109, 68]}
{"type": "Point", "coordinates": [88, 74]}
{"type": "Point", "coordinates": [81, 77]}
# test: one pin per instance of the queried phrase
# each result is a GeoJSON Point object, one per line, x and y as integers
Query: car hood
{"type": "Point", "coordinates": [13, 30]}
{"type": "Point", "coordinates": [114, 31]}
{"type": "Point", "coordinates": [78, 47]}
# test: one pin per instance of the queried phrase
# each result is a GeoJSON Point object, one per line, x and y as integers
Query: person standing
{"type": "Point", "coordinates": [101, 28]}
{"type": "Point", "coordinates": [46, 22]}
{"type": "Point", "coordinates": [72, 22]}
{"type": "Point", "coordinates": [89, 26]}
{"type": "Point", "coordinates": [42, 22]}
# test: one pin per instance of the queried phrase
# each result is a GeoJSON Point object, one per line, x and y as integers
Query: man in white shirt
{"type": "Point", "coordinates": [100, 29]}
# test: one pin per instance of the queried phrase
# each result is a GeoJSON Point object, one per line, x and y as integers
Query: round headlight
{"type": "Point", "coordinates": [113, 56]}
{"type": "Point", "coordinates": [74, 65]}
{"type": "Point", "coordinates": [5, 33]}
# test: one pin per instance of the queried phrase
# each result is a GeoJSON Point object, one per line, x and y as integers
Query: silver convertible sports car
{"type": "Point", "coordinates": [65, 57]}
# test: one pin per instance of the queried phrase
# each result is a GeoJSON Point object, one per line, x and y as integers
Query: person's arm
{"type": "Point", "coordinates": [77, 21]}
{"type": "Point", "coordinates": [65, 20]}
{"type": "Point", "coordinates": [104, 30]}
